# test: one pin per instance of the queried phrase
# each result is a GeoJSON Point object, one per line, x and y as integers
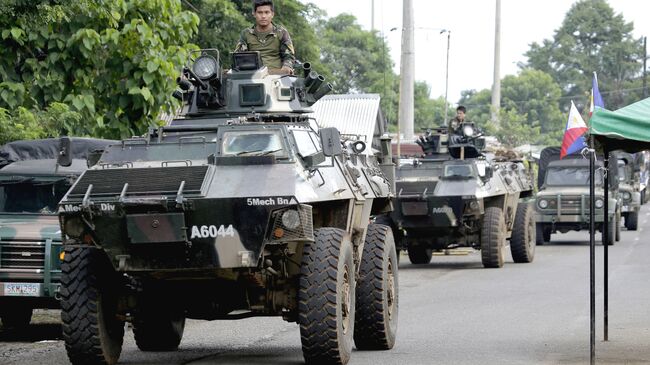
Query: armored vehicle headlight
{"type": "Point", "coordinates": [543, 203]}
{"type": "Point", "coordinates": [205, 67]}
{"type": "Point", "coordinates": [468, 131]}
{"type": "Point", "coordinates": [73, 227]}
{"type": "Point", "coordinates": [600, 203]}
{"type": "Point", "coordinates": [291, 219]}
{"type": "Point", "coordinates": [627, 195]}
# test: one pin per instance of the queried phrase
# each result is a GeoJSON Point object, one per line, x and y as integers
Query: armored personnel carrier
{"type": "Point", "coordinates": [562, 201]}
{"type": "Point", "coordinates": [455, 196]}
{"type": "Point", "coordinates": [32, 181]}
{"type": "Point", "coordinates": [242, 207]}
{"type": "Point", "coordinates": [628, 189]}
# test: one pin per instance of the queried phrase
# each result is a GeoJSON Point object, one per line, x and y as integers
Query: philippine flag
{"type": "Point", "coordinates": [576, 128]}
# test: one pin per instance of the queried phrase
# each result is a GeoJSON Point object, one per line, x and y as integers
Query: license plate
{"type": "Point", "coordinates": [22, 289]}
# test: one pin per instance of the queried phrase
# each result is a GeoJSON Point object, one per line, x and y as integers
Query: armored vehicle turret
{"type": "Point", "coordinates": [463, 199]}
{"type": "Point", "coordinates": [242, 207]}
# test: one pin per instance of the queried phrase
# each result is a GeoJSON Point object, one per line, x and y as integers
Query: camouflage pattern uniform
{"type": "Point", "coordinates": [454, 124]}
{"type": "Point", "coordinates": [275, 46]}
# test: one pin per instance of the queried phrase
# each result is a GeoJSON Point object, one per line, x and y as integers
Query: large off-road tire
{"type": "Point", "coordinates": [419, 255]}
{"type": "Point", "coordinates": [377, 302]}
{"type": "Point", "coordinates": [91, 331]}
{"type": "Point", "coordinates": [522, 243]}
{"type": "Point", "coordinates": [16, 316]}
{"type": "Point", "coordinates": [632, 221]}
{"type": "Point", "coordinates": [158, 326]}
{"type": "Point", "coordinates": [493, 238]}
{"type": "Point", "coordinates": [398, 234]}
{"type": "Point", "coordinates": [326, 298]}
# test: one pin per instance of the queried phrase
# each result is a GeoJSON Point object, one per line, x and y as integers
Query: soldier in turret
{"type": "Point", "coordinates": [454, 124]}
{"type": "Point", "coordinates": [271, 40]}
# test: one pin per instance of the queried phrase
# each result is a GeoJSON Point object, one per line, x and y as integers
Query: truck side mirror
{"type": "Point", "coordinates": [331, 140]}
{"type": "Point", "coordinates": [65, 152]}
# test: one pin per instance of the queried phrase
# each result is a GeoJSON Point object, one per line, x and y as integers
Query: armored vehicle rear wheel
{"type": "Point", "coordinates": [91, 331]}
{"type": "Point", "coordinates": [542, 234]}
{"type": "Point", "coordinates": [16, 316]}
{"type": "Point", "coordinates": [326, 298]}
{"type": "Point", "coordinates": [158, 327]}
{"type": "Point", "coordinates": [419, 255]}
{"type": "Point", "coordinates": [617, 235]}
{"type": "Point", "coordinates": [632, 221]}
{"type": "Point", "coordinates": [377, 291]}
{"type": "Point", "coordinates": [522, 243]}
{"type": "Point", "coordinates": [493, 238]}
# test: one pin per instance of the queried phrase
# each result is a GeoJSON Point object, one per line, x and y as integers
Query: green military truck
{"type": "Point", "coordinates": [31, 185]}
{"type": "Point", "coordinates": [628, 188]}
{"type": "Point", "coordinates": [562, 202]}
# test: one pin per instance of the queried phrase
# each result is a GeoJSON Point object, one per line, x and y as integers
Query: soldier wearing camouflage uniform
{"type": "Point", "coordinates": [271, 40]}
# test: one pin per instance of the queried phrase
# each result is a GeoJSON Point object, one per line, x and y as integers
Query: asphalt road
{"type": "Point", "coordinates": [452, 311]}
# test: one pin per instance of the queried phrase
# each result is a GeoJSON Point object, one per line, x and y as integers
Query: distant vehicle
{"type": "Point", "coordinates": [242, 207]}
{"type": "Point", "coordinates": [628, 188]}
{"type": "Point", "coordinates": [456, 196]}
{"type": "Point", "coordinates": [562, 202]}
{"type": "Point", "coordinates": [31, 185]}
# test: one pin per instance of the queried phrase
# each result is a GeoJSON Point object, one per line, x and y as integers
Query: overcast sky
{"type": "Point", "coordinates": [472, 34]}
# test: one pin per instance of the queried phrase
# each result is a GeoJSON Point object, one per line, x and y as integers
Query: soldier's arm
{"type": "Point", "coordinates": [287, 53]}
{"type": "Point", "coordinates": [242, 45]}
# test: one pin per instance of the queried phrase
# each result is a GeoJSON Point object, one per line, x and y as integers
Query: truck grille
{"type": "Point", "coordinates": [142, 181]}
{"type": "Point", "coordinates": [22, 255]}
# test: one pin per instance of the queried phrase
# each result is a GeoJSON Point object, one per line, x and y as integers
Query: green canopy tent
{"type": "Point", "coordinates": [625, 129]}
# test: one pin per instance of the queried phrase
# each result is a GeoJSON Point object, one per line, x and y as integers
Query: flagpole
{"type": "Point", "coordinates": [606, 234]}
{"type": "Point", "coordinates": [592, 252]}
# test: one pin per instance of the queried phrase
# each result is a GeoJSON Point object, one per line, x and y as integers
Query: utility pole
{"type": "Point", "coordinates": [645, 70]}
{"type": "Point", "coordinates": [407, 71]}
{"type": "Point", "coordinates": [496, 85]}
{"type": "Point", "coordinates": [446, 77]}
{"type": "Point", "coordinates": [372, 15]}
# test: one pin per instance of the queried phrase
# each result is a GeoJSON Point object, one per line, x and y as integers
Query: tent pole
{"type": "Point", "coordinates": [606, 245]}
{"type": "Point", "coordinates": [592, 250]}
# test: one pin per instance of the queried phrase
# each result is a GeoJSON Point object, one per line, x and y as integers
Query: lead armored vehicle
{"type": "Point", "coordinates": [562, 202]}
{"type": "Point", "coordinates": [456, 196]}
{"type": "Point", "coordinates": [31, 185]}
{"type": "Point", "coordinates": [242, 207]}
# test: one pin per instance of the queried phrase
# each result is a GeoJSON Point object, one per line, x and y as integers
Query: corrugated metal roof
{"type": "Point", "coordinates": [351, 114]}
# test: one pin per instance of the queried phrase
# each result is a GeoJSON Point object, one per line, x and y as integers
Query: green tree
{"type": "Point", "coordinates": [529, 102]}
{"type": "Point", "coordinates": [592, 38]}
{"type": "Point", "coordinates": [113, 62]}
{"type": "Point", "coordinates": [25, 124]}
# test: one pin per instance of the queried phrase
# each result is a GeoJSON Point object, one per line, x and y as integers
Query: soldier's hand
{"type": "Point", "coordinates": [286, 70]}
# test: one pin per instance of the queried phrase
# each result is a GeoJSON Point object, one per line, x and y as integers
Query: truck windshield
{"type": "Point", "coordinates": [252, 143]}
{"type": "Point", "coordinates": [575, 176]}
{"type": "Point", "coordinates": [32, 196]}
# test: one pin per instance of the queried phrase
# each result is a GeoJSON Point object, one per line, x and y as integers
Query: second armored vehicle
{"type": "Point", "coordinates": [456, 196]}
{"type": "Point", "coordinates": [242, 207]}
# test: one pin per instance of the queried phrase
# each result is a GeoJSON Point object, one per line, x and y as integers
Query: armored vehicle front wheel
{"type": "Point", "coordinates": [91, 330]}
{"type": "Point", "coordinates": [158, 327]}
{"type": "Point", "coordinates": [377, 291]}
{"type": "Point", "coordinates": [632, 221]}
{"type": "Point", "coordinates": [326, 298]}
{"type": "Point", "coordinates": [522, 243]}
{"type": "Point", "coordinates": [15, 316]}
{"type": "Point", "coordinates": [493, 238]}
{"type": "Point", "coordinates": [419, 255]}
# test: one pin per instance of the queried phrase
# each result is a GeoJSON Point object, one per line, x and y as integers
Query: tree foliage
{"type": "Point", "coordinates": [592, 38]}
{"type": "Point", "coordinates": [113, 62]}
{"type": "Point", "coordinates": [529, 109]}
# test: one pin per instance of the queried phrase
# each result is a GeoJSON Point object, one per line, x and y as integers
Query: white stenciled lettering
{"type": "Point", "coordinates": [444, 210]}
{"type": "Point", "coordinates": [212, 231]}
{"type": "Point", "coordinates": [69, 208]}
{"type": "Point", "coordinates": [107, 207]}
